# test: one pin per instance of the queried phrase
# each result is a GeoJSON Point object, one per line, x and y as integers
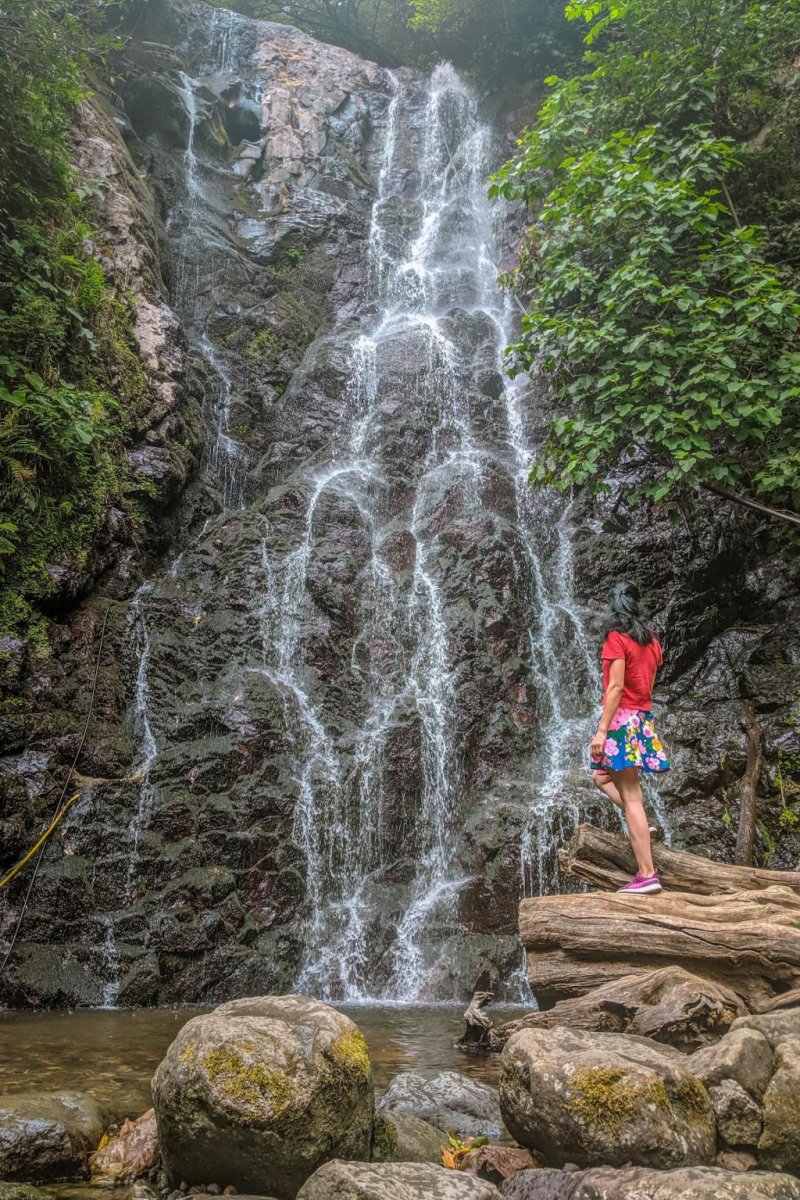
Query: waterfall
{"type": "Point", "coordinates": [422, 489]}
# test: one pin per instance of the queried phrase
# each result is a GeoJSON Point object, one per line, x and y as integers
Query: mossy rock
{"type": "Point", "coordinates": [261, 1092]}
{"type": "Point", "coordinates": [595, 1099]}
{"type": "Point", "coordinates": [401, 1137]}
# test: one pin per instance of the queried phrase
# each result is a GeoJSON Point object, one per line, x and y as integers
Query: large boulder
{"type": "Point", "coordinates": [394, 1181]}
{"type": "Point", "coordinates": [593, 1099]}
{"type": "Point", "coordinates": [401, 1137]}
{"type": "Point", "coordinates": [261, 1092]}
{"type": "Point", "coordinates": [450, 1101]}
{"type": "Point", "coordinates": [47, 1136]}
{"type": "Point", "coordinates": [642, 1183]}
{"type": "Point", "coordinates": [738, 1115]}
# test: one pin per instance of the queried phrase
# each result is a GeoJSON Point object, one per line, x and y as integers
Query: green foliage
{"type": "Point", "coordinates": [70, 379]}
{"type": "Point", "coordinates": [669, 336]}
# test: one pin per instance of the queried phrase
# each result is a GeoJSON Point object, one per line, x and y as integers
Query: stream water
{"type": "Point", "coordinates": [112, 1055]}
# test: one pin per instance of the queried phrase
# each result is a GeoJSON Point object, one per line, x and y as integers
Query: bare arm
{"type": "Point", "coordinates": [611, 699]}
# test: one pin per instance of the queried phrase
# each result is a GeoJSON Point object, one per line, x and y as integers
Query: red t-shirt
{"type": "Point", "coordinates": [641, 664]}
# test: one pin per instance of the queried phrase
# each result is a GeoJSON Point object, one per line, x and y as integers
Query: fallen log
{"type": "Point", "coordinates": [668, 1005]}
{"type": "Point", "coordinates": [748, 942]}
{"type": "Point", "coordinates": [605, 861]}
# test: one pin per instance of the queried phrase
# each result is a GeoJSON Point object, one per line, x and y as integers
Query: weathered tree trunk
{"type": "Point", "coordinates": [606, 861]}
{"type": "Point", "coordinates": [479, 1033]}
{"type": "Point", "coordinates": [668, 1005]}
{"type": "Point", "coordinates": [748, 812]}
{"type": "Point", "coordinates": [748, 942]}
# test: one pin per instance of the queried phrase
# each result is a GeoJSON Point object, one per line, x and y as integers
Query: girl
{"type": "Point", "coordinates": [626, 741]}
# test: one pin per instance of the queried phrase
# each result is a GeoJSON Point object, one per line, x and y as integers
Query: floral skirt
{"type": "Point", "coordinates": [632, 741]}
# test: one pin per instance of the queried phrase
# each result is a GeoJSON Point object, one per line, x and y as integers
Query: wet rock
{"type": "Point", "coordinates": [638, 1183]}
{"type": "Point", "coordinates": [261, 1092]}
{"type": "Point", "coordinates": [446, 1099]}
{"type": "Point", "coordinates": [22, 1191]}
{"type": "Point", "coordinates": [132, 1152]}
{"type": "Point", "coordinates": [393, 1181]}
{"type": "Point", "coordinates": [595, 1098]}
{"type": "Point", "coordinates": [743, 1055]}
{"type": "Point", "coordinates": [401, 1137]}
{"type": "Point", "coordinates": [738, 1116]}
{"type": "Point", "coordinates": [48, 1136]}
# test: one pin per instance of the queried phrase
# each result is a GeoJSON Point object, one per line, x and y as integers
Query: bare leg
{"type": "Point", "coordinates": [630, 792]}
{"type": "Point", "coordinates": [603, 780]}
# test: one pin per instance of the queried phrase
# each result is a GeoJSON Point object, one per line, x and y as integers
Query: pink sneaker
{"type": "Point", "coordinates": [644, 886]}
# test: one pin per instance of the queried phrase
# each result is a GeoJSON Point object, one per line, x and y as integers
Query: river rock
{"type": "Point", "coordinates": [641, 1183]}
{"type": "Point", "coordinates": [447, 1099]}
{"type": "Point", "coordinates": [129, 1154]}
{"type": "Point", "coordinates": [738, 1116]}
{"type": "Point", "coordinates": [401, 1137]}
{"type": "Point", "coordinates": [592, 1098]}
{"type": "Point", "coordinates": [393, 1181]}
{"type": "Point", "coordinates": [22, 1191]}
{"type": "Point", "coordinates": [48, 1136]}
{"type": "Point", "coordinates": [743, 1055]}
{"type": "Point", "coordinates": [261, 1092]}
{"type": "Point", "coordinates": [497, 1163]}
{"type": "Point", "coordinates": [779, 1146]}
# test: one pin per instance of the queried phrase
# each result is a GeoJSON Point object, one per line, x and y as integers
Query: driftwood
{"type": "Point", "coordinates": [606, 861]}
{"type": "Point", "coordinates": [748, 942]}
{"type": "Point", "coordinates": [668, 1005]}
{"type": "Point", "coordinates": [479, 1033]}
{"type": "Point", "coordinates": [748, 810]}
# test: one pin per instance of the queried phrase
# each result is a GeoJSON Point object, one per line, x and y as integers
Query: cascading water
{"type": "Point", "coordinates": [428, 463]}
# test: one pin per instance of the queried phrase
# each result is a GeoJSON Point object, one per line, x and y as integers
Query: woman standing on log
{"type": "Point", "coordinates": [626, 741]}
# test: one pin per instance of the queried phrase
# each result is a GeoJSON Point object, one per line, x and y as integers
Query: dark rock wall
{"type": "Point", "coordinates": [182, 874]}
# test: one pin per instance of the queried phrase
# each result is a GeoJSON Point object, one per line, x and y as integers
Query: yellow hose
{"type": "Point", "coordinates": [56, 821]}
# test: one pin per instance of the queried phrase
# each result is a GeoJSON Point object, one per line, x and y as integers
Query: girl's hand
{"type": "Point", "coordinates": [596, 748]}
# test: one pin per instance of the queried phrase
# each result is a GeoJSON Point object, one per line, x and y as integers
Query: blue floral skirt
{"type": "Point", "coordinates": [632, 741]}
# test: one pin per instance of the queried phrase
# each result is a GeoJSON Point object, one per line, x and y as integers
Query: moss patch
{"type": "Point", "coordinates": [384, 1141]}
{"type": "Point", "coordinates": [248, 1085]}
{"type": "Point", "coordinates": [350, 1052]}
{"type": "Point", "coordinates": [604, 1098]}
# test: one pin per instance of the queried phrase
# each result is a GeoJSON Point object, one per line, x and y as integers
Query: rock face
{"type": "Point", "coordinates": [262, 1091]}
{"type": "Point", "coordinates": [610, 1099]}
{"type": "Point", "coordinates": [399, 1181]}
{"type": "Point", "coordinates": [446, 1099]}
{"type": "Point", "coordinates": [636, 1183]}
{"type": "Point", "coordinates": [46, 1136]}
{"type": "Point", "coordinates": [748, 942]}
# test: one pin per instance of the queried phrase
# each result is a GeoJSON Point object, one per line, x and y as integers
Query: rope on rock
{"type": "Point", "coordinates": [61, 807]}
{"type": "Point", "coordinates": [53, 825]}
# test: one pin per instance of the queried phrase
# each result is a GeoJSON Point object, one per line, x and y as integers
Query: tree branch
{"type": "Point", "coordinates": [729, 494]}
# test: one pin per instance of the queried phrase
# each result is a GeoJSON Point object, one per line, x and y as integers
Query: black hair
{"type": "Point", "coordinates": [625, 614]}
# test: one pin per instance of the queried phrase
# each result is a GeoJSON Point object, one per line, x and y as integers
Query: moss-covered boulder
{"type": "Point", "coordinates": [595, 1099]}
{"type": "Point", "coordinates": [261, 1092]}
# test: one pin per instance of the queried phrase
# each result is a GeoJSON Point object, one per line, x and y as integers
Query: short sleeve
{"type": "Point", "coordinates": [613, 646]}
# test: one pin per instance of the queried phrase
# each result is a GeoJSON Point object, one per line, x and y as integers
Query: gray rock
{"type": "Point", "coordinates": [779, 1146]}
{"type": "Point", "coordinates": [594, 1099]}
{"type": "Point", "coordinates": [775, 1026]}
{"type": "Point", "coordinates": [743, 1054]}
{"type": "Point", "coordinates": [22, 1191]}
{"type": "Point", "coordinates": [260, 1092]}
{"type": "Point", "coordinates": [738, 1116]}
{"type": "Point", "coordinates": [393, 1181]}
{"type": "Point", "coordinates": [641, 1183]}
{"type": "Point", "coordinates": [47, 1136]}
{"type": "Point", "coordinates": [401, 1137]}
{"type": "Point", "coordinates": [446, 1099]}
